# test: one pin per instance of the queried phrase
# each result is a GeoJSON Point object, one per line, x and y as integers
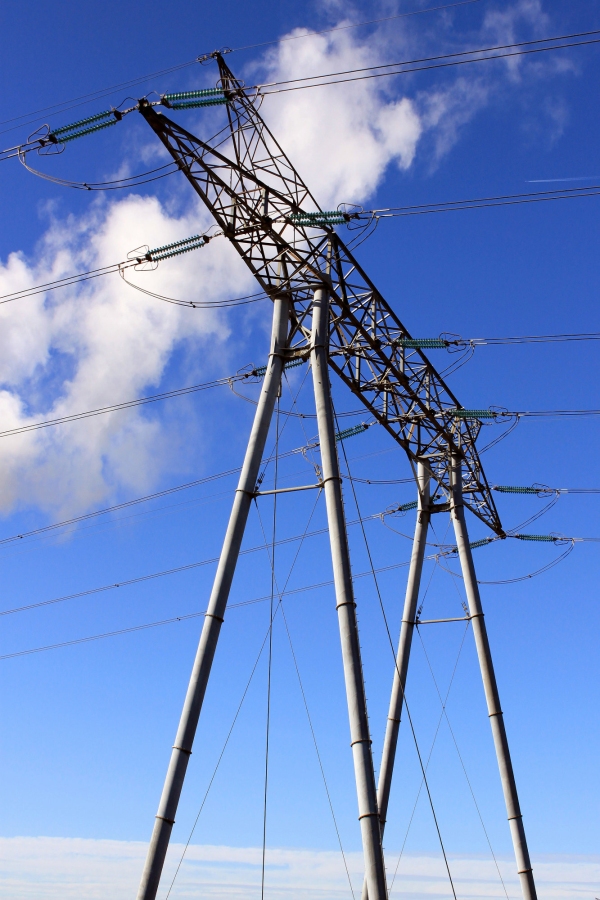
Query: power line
{"type": "Point", "coordinates": [180, 487]}
{"type": "Point", "coordinates": [278, 89]}
{"type": "Point", "coordinates": [119, 184]}
{"type": "Point", "coordinates": [139, 258]}
{"type": "Point", "coordinates": [483, 202]}
{"type": "Point", "coordinates": [435, 62]}
{"type": "Point", "coordinates": [533, 339]}
{"type": "Point", "coordinates": [161, 574]}
{"type": "Point", "coordinates": [125, 505]}
{"type": "Point", "coordinates": [173, 619]}
{"type": "Point", "coordinates": [310, 587]}
{"type": "Point", "coordinates": [423, 59]}
{"type": "Point", "coordinates": [66, 105]}
{"type": "Point", "coordinates": [127, 404]}
{"type": "Point", "coordinates": [296, 37]}
{"type": "Point", "coordinates": [503, 414]}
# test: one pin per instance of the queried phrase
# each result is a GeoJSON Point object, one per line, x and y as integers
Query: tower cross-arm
{"type": "Point", "coordinates": [255, 196]}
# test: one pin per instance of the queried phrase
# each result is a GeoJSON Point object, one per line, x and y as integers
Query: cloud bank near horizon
{"type": "Point", "coordinates": [77, 869]}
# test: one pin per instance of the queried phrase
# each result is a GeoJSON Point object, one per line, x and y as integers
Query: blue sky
{"type": "Point", "coordinates": [88, 728]}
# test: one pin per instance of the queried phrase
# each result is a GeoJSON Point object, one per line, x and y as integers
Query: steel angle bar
{"type": "Point", "coordinates": [255, 195]}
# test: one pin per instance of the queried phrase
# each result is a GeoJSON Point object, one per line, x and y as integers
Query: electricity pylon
{"type": "Point", "coordinates": [326, 309]}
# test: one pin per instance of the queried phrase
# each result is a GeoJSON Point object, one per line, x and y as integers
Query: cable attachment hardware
{"type": "Point", "coordinates": [41, 142]}
{"type": "Point", "coordinates": [401, 508]}
{"type": "Point", "coordinates": [207, 57]}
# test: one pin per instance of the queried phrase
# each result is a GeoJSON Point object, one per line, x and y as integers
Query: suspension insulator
{"type": "Point", "coordinates": [509, 489]}
{"type": "Point", "coordinates": [473, 413]}
{"type": "Point", "coordinates": [195, 95]}
{"type": "Point", "coordinates": [350, 432]}
{"type": "Point", "coordinates": [316, 219]}
{"type": "Point", "coordinates": [195, 99]}
{"type": "Point", "coordinates": [85, 126]}
{"type": "Point", "coordinates": [426, 343]}
{"type": "Point", "coordinates": [175, 249]}
{"type": "Point", "coordinates": [406, 507]}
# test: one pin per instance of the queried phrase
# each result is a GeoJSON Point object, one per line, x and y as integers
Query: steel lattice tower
{"type": "Point", "coordinates": [327, 310]}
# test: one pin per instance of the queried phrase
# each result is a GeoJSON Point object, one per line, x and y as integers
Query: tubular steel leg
{"type": "Point", "coordinates": [403, 655]}
{"type": "Point", "coordinates": [491, 688]}
{"type": "Point", "coordinates": [346, 607]}
{"type": "Point", "coordinates": [182, 748]}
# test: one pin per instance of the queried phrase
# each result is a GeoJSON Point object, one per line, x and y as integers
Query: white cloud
{"type": "Point", "coordinates": [109, 342]}
{"type": "Point", "coordinates": [64, 868]}
{"type": "Point", "coordinates": [445, 111]}
{"type": "Point", "coordinates": [502, 24]}
{"type": "Point", "coordinates": [341, 138]}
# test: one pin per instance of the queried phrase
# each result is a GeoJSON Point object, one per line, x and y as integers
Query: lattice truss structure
{"type": "Point", "coordinates": [263, 207]}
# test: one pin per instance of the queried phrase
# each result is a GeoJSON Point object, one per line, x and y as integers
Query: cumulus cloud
{"type": "Point", "coordinates": [85, 347]}
{"type": "Point", "coordinates": [342, 138]}
{"type": "Point", "coordinates": [64, 868]}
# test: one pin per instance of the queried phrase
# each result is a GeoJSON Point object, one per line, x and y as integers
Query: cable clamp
{"type": "Point", "coordinates": [182, 749]}
{"type": "Point", "coordinates": [519, 816]}
{"type": "Point", "coordinates": [524, 871]}
{"type": "Point", "coordinates": [212, 616]}
{"type": "Point", "coordinates": [164, 819]}
{"type": "Point", "coordinates": [367, 815]}
{"type": "Point", "coordinates": [499, 713]}
{"type": "Point", "coordinates": [346, 603]}
{"type": "Point", "coordinates": [361, 741]}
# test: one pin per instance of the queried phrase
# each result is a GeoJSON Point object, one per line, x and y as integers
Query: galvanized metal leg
{"type": "Point", "coordinates": [403, 655]}
{"type": "Point", "coordinates": [182, 748]}
{"type": "Point", "coordinates": [491, 688]}
{"type": "Point", "coordinates": [346, 607]}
